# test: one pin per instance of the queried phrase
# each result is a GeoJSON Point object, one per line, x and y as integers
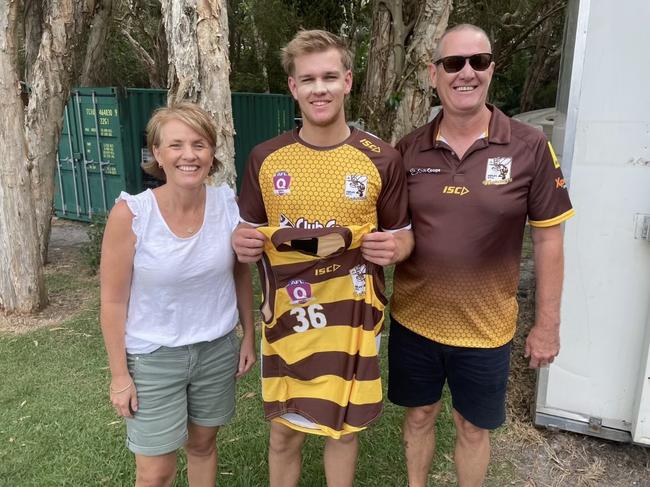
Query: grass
{"type": "Point", "coordinates": [58, 429]}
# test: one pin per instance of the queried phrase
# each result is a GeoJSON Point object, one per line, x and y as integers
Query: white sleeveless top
{"type": "Point", "coordinates": [182, 289]}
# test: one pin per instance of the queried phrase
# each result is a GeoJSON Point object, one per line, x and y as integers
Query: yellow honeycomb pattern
{"type": "Point", "coordinates": [458, 305]}
{"type": "Point", "coordinates": [317, 191]}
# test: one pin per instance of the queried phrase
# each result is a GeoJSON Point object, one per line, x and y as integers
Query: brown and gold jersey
{"type": "Point", "coordinates": [322, 310]}
{"type": "Point", "coordinates": [289, 183]}
{"type": "Point", "coordinates": [459, 285]}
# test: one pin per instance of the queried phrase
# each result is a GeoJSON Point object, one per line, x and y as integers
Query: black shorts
{"type": "Point", "coordinates": [477, 377]}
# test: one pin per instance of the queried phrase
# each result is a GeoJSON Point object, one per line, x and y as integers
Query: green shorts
{"type": "Point", "coordinates": [192, 383]}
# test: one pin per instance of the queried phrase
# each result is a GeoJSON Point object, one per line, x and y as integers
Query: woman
{"type": "Point", "coordinates": [170, 292]}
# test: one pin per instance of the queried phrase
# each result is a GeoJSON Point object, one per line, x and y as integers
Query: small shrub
{"type": "Point", "coordinates": [91, 251]}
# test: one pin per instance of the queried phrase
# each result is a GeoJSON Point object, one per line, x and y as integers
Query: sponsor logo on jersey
{"type": "Point", "coordinates": [356, 186]}
{"type": "Point", "coordinates": [285, 222]}
{"type": "Point", "coordinates": [560, 183]}
{"type": "Point", "coordinates": [373, 147]}
{"type": "Point", "coordinates": [326, 270]}
{"type": "Point", "coordinates": [281, 183]}
{"type": "Point", "coordinates": [457, 190]}
{"type": "Point", "coordinates": [299, 291]}
{"type": "Point", "coordinates": [358, 275]}
{"type": "Point", "coordinates": [414, 171]}
{"type": "Point", "coordinates": [498, 171]}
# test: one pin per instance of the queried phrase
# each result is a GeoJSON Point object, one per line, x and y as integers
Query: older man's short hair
{"type": "Point", "coordinates": [471, 27]}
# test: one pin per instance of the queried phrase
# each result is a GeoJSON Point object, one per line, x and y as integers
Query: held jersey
{"type": "Point", "coordinates": [290, 183]}
{"type": "Point", "coordinates": [323, 308]}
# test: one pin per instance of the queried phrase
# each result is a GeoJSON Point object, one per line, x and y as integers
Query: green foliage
{"type": "Point", "coordinates": [91, 250]}
{"type": "Point", "coordinates": [57, 426]}
{"type": "Point", "coordinates": [123, 66]}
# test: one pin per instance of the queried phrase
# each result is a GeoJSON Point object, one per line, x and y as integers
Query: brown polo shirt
{"type": "Point", "coordinates": [459, 285]}
{"type": "Point", "coordinates": [290, 183]}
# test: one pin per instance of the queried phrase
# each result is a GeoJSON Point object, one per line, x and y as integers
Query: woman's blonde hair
{"type": "Point", "coordinates": [310, 41]}
{"type": "Point", "coordinates": [191, 115]}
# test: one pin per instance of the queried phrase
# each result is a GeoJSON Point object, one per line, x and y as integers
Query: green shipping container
{"type": "Point", "coordinates": [103, 143]}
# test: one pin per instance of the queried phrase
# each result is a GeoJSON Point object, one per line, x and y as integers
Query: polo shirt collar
{"type": "Point", "coordinates": [498, 129]}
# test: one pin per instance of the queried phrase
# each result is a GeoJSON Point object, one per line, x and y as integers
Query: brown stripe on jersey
{"type": "Point", "coordinates": [326, 413]}
{"type": "Point", "coordinates": [340, 364]}
{"type": "Point", "coordinates": [351, 313]}
{"type": "Point", "coordinates": [320, 270]}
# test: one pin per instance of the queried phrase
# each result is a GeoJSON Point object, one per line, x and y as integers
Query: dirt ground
{"type": "Point", "coordinates": [544, 458]}
{"type": "Point", "coordinates": [66, 241]}
{"type": "Point", "coordinates": [541, 458]}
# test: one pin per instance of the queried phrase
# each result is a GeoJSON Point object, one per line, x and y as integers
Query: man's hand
{"type": "Point", "coordinates": [542, 345]}
{"type": "Point", "coordinates": [386, 248]}
{"type": "Point", "coordinates": [248, 243]}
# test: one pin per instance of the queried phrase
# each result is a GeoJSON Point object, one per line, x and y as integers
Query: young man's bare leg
{"type": "Point", "coordinates": [340, 459]}
{"type": "Point", "coordinates": [420, 442]}
{"type": "Point", "coordinates": [472, 453]}
{"type": "Point", "coordinates": [285, 445]}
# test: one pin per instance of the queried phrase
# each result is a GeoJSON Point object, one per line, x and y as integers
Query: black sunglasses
{"type": "Point", "coordinates": [453, 64]}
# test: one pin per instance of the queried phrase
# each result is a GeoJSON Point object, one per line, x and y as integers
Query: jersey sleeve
{"type": "Point", "coordinates": [392, 206]}
{"type": "Point", "coordinates": [548, 199]}
{"type": "Point", "coordinates": [251, 203]}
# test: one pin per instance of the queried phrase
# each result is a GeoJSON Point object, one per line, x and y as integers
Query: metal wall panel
{"type": "Point", "coordinates": [600, 383]}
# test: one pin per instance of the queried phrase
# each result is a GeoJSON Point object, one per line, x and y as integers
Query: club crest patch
{"type": "Point", "coordinates": [299, 291]}
{"type": "Point", "coordinates": [358, 275]}
{"type": "Point", "coordinates": [281, 183]}
{"type": "Point", "coordinates": [356, 186]}
{"type": "Point", "coordinates": [498, 171]}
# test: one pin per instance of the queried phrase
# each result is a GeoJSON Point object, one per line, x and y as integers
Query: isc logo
{"type": "Point", "coordinates": [370, 145]}
{"type": "Point", "coordinates": [326, 270]}
{"type": "Point", "coordinates": [459, 190]}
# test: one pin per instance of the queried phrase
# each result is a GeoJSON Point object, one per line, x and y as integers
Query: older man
{"type": "Point", "coordinates": [474, 177]}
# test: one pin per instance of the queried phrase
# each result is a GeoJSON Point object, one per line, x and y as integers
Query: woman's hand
{"type": "Point", "coordinates": [124, 397]}
{"type": "Point", "coordinates": [247, 356]}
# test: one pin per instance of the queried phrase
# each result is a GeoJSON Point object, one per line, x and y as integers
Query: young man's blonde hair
{"type": "Point", "coordinates": [310, 41]}
{"type": "Point", "coordinates": [191, 115]}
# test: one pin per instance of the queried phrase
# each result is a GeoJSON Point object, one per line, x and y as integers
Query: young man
{"type": "Point", "coordinates": [474, 177]}
{"type": "Point", "coordinates": [323, 175]}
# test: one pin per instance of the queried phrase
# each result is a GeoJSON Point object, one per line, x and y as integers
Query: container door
{"type": "Point", "coordinates": [70, 195]}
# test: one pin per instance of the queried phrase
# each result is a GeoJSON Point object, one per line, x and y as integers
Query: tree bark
{"type": "Point", "coordinates": [93, 63]}
{"type": "Point", "coordinates": [197, 40]}
{"type": "Point", "coordinates": [22, 287]}
{"type": "Point", "coordinates": [380, 74]}
{"type": "Point", "coordinates": [33, 18]}
{"type": "Point", "coordinates": [64, 28]}
{"type": "Point", "coordinates": [414, 84]}
{"type": "Point", "coordinates": [397, 93]}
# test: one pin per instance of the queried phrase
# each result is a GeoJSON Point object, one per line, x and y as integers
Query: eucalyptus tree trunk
{"type": "Point", "coordinates": [22, 287]}
{"type": "Point", "coordinates": [197, 41]}
{"type": "Point", "coordinates": [65, 24]}
{"type": "Point", "coordinates": [32, 15]}
{"type": "Point", "coordinates": [397, 93]}
{"type": "Point", "coordinates": [93, 62]}
{"type": "Point", "coordinates": [30, 140]}
{"type": "Point", "coordinates": [414, 85]}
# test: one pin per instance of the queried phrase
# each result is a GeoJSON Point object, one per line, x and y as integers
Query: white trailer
{"type": "Point", "coordinates": [600, 383]}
